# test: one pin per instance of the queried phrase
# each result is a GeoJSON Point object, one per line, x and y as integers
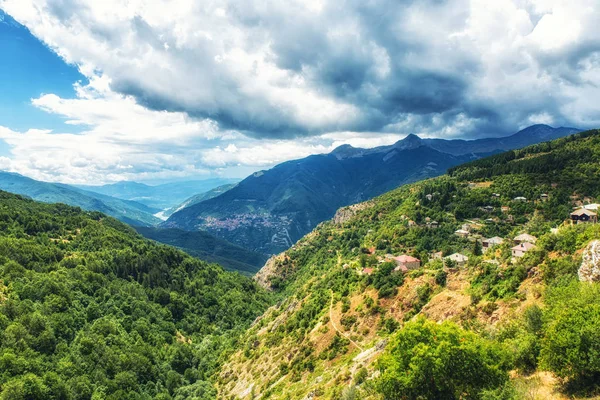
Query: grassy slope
{"type": "Point", "coordinates": [294, 349]}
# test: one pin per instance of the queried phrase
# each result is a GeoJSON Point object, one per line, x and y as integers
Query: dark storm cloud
{"type": "Point", "coordinates": [287, 69]}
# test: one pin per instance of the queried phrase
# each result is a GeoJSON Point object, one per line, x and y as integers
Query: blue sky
{"type": "Point", "coordinates": [154, 90]}
{"type": "Point", "coordinates": [28, 69]}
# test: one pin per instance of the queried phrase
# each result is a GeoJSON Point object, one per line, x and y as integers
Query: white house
{"type": "Point", "coordinates": [459, 259]}
{"type": "Point", "coordinates": [525, 237]}
{"type": "Point", "coordinates": [522, 248]}
{"type": "Point", "coordinates": [495, 241]}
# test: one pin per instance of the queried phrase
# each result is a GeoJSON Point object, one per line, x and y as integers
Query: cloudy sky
{"type": "Point", "coordinates": [152, 90]}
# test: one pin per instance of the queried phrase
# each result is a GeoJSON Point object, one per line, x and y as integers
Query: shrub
{"type": "Point", "coordinates": [440, 361]}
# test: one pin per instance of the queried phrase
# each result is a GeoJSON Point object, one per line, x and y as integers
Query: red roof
{"type": "Point", "coordinates": [368, 271]}
{"type": "Point", "coordinates": [406, 259]}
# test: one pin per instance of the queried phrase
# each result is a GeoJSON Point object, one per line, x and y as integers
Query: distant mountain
{"type": "Point", "coordinates": [161, 197]}
{"type": "Point", "coordinates": [195, 200]}
{"type": "Point", "coordinates": [127, 211]}
{"type": "Point", "coordinates": [528, 136]}
{"type": "Point", "coordinates": [208, 248]}
{"type": "Point", "coordinates": [270, 210]}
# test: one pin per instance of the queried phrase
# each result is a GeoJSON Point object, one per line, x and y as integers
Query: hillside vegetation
{"type": "Point", "coordinates": [90, 310]}
{"type": "Point", "coordinates": [208, 248]}
{"type": "Point", "coordinates": [351, 325]}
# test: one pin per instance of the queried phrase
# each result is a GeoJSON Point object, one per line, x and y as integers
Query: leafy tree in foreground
{"type": "Point", "coordinates": [427, 360]}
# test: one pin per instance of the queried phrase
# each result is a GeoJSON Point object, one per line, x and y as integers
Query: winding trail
{"type": "Point", "coordinates": [336, 328]}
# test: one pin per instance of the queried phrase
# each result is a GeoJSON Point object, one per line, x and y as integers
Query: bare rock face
{"type": "Point", "coordinates": [589, 271]}
{"type": "Point", "coordinates": [346, 213]}
{"type": "Point", "coordinates": [263, 276]}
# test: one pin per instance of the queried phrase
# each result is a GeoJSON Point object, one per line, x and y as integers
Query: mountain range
{"type": "Point", "coordinates": [128, 211]}
{"type": "Point", "coordinates": [270, 210]}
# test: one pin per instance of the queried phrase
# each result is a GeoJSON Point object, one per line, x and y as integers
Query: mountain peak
{"type": "Point", "coordinates": [411, 141]}
{"type": "Point", "coordinates": [344, 151]}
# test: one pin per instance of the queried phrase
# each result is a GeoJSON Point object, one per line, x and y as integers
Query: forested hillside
{"type": "Point", "coordinates": [208, 248]}
{"type": "Point", "coordinates": [89, 309]}
{"type": "Point", "coordinates": [516, 319]}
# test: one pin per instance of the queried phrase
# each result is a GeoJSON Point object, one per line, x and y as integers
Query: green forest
{"type": "Point", "coordinates": [91, 310]}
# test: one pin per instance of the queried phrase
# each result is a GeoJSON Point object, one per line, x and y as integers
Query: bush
{"type": "Point", "coordinates": [440, 361]}
{"type": "Point", "coordinates": [571, 345]}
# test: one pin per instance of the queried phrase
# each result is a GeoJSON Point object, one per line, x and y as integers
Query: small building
{"type": "Point", "coordinates": [495, 241]}
{"type": "Point", "coordinates": [505, 209]}
{"type": "Point", "coordinates": [544, 197]}
{"type": "Point", "coordinates": [438, 255]}
{"type": "Point", "coordinates": [582, 215]}
{"type": "Point", "coordinates": [429, 197]}
{"type": "Point", "coordinates": [519, 250]}
{"type": "Point", "coordinates": [412, 223]}
{"type": "Point", "coordinates": [525, 237]}
{"type": "Point", "coordinates": [462, 233]}
{"type": "Point", "coordinates": [496, 195]}
{"type": "Point", "coordinates": [407, 261]}
{"type": "Point", "coordinates": [592, 207]}
{"type": "Point", "coordinates": [460, 259]}
{"type": "Point", "coordinates": [520, 198]}
{"type": "Point", "coordinates": [433, 225]}
{"type": "Point", "coordinates": [367, 271]}
{"type": "Point", "coordinates": [488, 209]}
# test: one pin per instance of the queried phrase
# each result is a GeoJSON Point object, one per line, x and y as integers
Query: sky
{"type": "Point", "coordinates": [95, 92]}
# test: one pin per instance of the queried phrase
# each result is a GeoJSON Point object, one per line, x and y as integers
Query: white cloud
{"type": "Point", "coordinates": [181, 87]}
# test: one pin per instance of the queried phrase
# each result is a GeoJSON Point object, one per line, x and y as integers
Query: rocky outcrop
{"type": "Point", "coordinates": [346, 213]}
{"type": "Point", "coordinates": [589, 271]}
{"type": "Point", "coordinates": [263, 277]}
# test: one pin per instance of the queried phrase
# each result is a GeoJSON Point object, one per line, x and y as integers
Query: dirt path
{"type": "Point", "coordinates": [336, 328]}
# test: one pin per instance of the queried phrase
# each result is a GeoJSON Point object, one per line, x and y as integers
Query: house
{"type": "Point", "coordinates": [544, 197]}
{"type": "Point", "coordinates": [462, 233]}
{"type": "Point", "coordinates": [407, 261]}
{"type": "Point", "coordinates": [459, 259]}
{"type": "Point", "coordinates": [367, 271]}
{"type": "Point", "coordinates": [522, 248]}
{"type": "Point", "coordinates": [433, 224]}
{"type": "Point", "coordinates": [520, 198]}
{"type": "Point", "coordinates": [488, 208]}
{"type": "Point", "coordinates": [583, 215]}
{"type": "Point", "coordinates": [496, 195]}
{"type": "Point", "coordinates": [466, 227]}
{"type": "Point", "coordinates": [592, 207]}
{"type": "Point", "coordinates": [525, 237]}
{"type": "Point", "coordinates": [495, 241]}
{"type": "Point", "coordinates": [505, 209]}
{"type": "Point", "coordinates": [429, 197]}
{"type": "Point", "coordinates": [412, 223]}
{"type": "Point", "coordinates": [436, 255]}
